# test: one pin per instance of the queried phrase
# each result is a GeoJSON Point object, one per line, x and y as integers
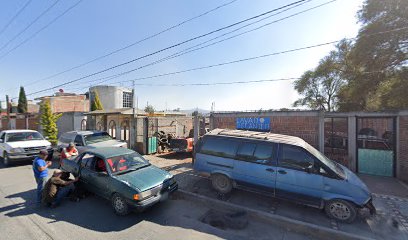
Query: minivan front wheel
{"type": "Point", "coordinates": [221, 183]}
{"type": "Point", "coordinates": [341, 210]}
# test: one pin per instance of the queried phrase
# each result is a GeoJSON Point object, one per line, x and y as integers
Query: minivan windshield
{"type": "Point", "coordinates": [329, 163]}
{"type": "Point", "coordinates": [23, 136]}
{"type": "Point", "coordinates": [97, 137]}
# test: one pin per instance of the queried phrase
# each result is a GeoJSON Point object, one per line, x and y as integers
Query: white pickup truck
{"type": "Point", "coordinates": [22, 145]}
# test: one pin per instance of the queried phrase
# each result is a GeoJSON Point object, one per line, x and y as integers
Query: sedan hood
{"type": "Point", "coordinates": [109, 143]}
{"type": "Point", "coordinates": [32, 143]}
{"type": "Point", "coordinates": [144, 178]}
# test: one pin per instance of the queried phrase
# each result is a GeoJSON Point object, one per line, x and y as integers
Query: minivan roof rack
{"type": "Point", "coordinates": [279, 138]}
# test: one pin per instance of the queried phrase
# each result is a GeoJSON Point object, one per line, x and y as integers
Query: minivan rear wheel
{"type": "Point", "coordinates": [221, 183]}
{"type": "Point", "coordinates": [341, 210]}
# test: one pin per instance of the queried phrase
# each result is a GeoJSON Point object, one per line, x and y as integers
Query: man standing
{"type": "Point", "coordinates": [40, 169]}
{"type": "Point", "coordinates": [56, 189]}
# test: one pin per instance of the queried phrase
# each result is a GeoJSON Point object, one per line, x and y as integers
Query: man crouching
{"type": "Point", "coordinates": [56, 189]}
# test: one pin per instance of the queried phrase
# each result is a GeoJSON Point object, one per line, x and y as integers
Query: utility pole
{"type": "Point", "coordinates": [8, 111]}
{"type": "Point", "coordinates": [133, 136]}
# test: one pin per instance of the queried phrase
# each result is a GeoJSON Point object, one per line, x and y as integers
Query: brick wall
{"type": "Point", "coordinates": [403, 148]}
{"type": "Point", "coordinates": [305, 127]}
{"type": "Point", "coordinates": [61, 104]}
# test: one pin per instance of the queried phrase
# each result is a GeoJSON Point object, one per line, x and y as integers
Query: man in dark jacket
{"type": "Point", "coordinates": [56, 189]}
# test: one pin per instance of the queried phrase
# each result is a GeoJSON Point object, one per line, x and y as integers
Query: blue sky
{"type": "Point", "coordinates": [97, 27]}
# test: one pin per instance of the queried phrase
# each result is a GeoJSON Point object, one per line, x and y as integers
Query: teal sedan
{"type": "Point", "coordinates": [122, 176]}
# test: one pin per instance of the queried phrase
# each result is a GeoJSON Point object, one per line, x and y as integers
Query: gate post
{"type": "Point", "coordinates": [196, 129]}
{"type": "Point", "coordinates": [352, 142]}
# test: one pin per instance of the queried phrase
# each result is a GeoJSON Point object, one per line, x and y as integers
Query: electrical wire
{"type": "Point", "coordinates": [133, 44]}
{"type": "Point", "coordinates": [41, 29]}
{"type": "Point", "coordinates": [167, 48]}
{"type": "Point", "coordinates": [14, 17]}
{"type": "Point", "coordinates": [29, 25]}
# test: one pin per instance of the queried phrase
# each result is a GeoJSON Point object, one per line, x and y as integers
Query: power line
{"type": "Point", "coordinates": [15, 16]}
{"type": "Point", "coordinates": [41, 29]}
{"type": "Point", "coordinates": [134, 43]}
{"type": "Point", "coordinates": [214, 83]}
{"type": "Point", "coordinates": [191, 49]}
{"type": "Point", "coordinates": [167, 48]}
{"type": "Point", "coordinates": [253, 58]}
{"type": "Point", "coordinates": [29, 25]}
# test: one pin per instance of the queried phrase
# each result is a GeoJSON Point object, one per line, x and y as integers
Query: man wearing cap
{"type": "Point", "coordinates": [40, 169]}
{"type": "Point", "coordinates": [56, 189]}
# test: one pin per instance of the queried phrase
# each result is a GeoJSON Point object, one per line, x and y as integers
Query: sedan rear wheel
{"type": "Point", "coordinates": [341, 210]}
{"type": "Point", "coordinates": [119, 205]}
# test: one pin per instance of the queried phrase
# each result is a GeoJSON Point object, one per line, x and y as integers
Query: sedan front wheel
{"type": "Point", "coordinates": [120, 207]}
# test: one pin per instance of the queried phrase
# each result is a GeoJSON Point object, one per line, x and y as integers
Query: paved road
{"type": "Point", "coordinates": [391, 222]}
{"type": "Point", "coordinates": [92, 218]}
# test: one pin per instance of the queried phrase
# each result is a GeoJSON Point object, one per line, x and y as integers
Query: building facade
{"type": "Point", "coordinates": [368, 143]}
{"type": "Point", "coordinates": [113, 97]}
{"type": "Point", "coordinates": [67, 102]}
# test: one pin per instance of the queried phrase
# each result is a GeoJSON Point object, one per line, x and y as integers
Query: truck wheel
{"type": "Point", "coordinates": [221, 183]}
{"type": "Point", "coordinates": [6, 159]}
{"type": "Point", "coordinates": [120, 207]}
{"type": "Point", "coordinates": [341, 210]}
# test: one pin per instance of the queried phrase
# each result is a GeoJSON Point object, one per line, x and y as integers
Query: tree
{"type": "Point", "coordinates": [96, 102]}
{"type": "Point", "coordinates": [48, 121]}
{"type": "Point", "coordinates": [149, 109]}
{"type": "Point", "coordinates": [375, 79]}
{"type": "Point", "coordinates": [320, 87]}
{"type": "Point", "coordinates": [22, 101]}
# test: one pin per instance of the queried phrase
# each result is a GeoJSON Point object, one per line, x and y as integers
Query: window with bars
{"type": "Point", "coordinates": [127, 99]}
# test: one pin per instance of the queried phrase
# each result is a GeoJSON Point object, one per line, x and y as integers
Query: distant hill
{"type": "Point", "coordinates": [190, 111]}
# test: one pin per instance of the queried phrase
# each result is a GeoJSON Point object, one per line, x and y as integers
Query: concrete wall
{"type": "Point", "coordinates": [303, 124]}
{"type": "Point", "coordinates": [402, 156]}
{"type": "Point", "coordinates": [70, 121]}
{"type": "Point", "coordinates": [111, 96]}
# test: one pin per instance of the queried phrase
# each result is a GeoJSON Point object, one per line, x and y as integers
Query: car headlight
{"type": "Point", "coordinates": [16, 150]}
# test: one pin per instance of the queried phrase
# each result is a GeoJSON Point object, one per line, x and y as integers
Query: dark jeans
{"type": "Point", "coordinates": [40, 185]}
{"type": "Point", "coordinates": [63, 192]}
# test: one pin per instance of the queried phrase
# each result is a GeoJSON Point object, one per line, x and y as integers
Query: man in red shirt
{"type": "Point", "coordinates": [69, 151]}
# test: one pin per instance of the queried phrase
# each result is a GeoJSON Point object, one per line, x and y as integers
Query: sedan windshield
{"type": "Point", "coordinates": [125, 163]}
{"type": "Point", "coordinates": [335, 167]}
{"type": "Point", "coordinates": [97, 137]}
{"type": "Point", "coordinates": [23, 136]}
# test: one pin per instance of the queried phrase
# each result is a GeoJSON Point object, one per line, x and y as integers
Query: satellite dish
{"type": "Point", "coordinates": [61, 90]}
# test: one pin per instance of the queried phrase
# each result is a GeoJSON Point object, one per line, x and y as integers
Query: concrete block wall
{"type": "Point", "coordinates": [402, 160]}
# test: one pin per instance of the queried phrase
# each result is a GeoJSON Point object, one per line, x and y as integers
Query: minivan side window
{"type": "Point", "coordinates": [256, 152]}
{"type": "Point", "coordinates": [295, 158]}
{"type": "Point", "coordinates": [222, 147]}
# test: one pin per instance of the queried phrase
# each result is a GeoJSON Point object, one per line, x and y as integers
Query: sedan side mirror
{"type": "Point", "coordinates": [47, 138]}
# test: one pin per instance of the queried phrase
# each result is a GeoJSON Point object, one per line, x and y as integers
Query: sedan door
{"type": "Point", "coordinates": [255, 166]}
{"type": "Point", "coordinates": [297, 178]}
{"type": "Point", "coordinates": [96, 181]}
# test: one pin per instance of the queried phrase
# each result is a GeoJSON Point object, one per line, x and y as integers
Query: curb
{"type": "Point", "coordinates": [285, 222]}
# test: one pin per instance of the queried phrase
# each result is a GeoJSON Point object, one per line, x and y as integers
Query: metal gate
{"type": "Point", "coordinates": [376, 145]}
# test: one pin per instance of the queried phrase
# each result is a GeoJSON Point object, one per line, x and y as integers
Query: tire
{"type": "Point", "coordinates": [119, 205]}
{"type": "Point", "coordinates": [6, 160]}
{"type": "Point", "coordinates": [341, 210]}
{"type": "Point", "coordinates": [221, 183]}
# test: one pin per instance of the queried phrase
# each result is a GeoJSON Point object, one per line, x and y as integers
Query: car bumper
{"type": "Point", "coordinates": [370, 206]}
{"type": "Point", "coordinates": [162, 196]}
{"type": "Point", "coordinates": [25, 156]}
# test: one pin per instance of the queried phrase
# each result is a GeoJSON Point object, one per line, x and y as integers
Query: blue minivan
{"type": "Point", "coordinates": [281, 166]}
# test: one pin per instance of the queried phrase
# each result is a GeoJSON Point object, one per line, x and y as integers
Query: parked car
{"type": "Point", "coordinates": [281, 166]}
{"type": "Point", "coordinates": [88, 139]}
{"type": "Point", "coordinates": [122, 176]}
{"type": "Point", "coordinates": [181, 144]}
{"type": "Point", "coordinates": [22, 145]}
